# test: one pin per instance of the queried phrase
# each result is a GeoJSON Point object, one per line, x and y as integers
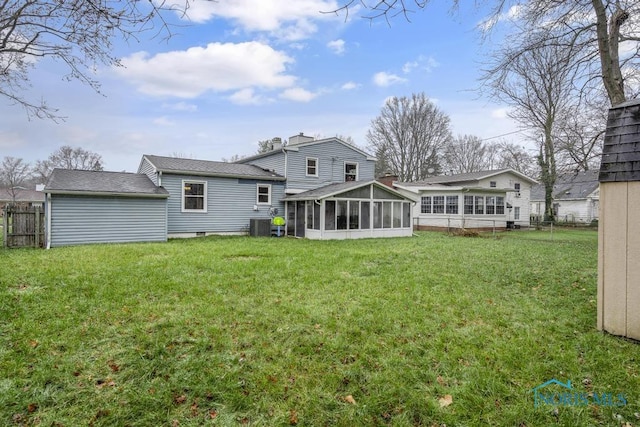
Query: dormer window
{"type": "Point", "coordinates": [350, 171]}
{"type": "Point", "coordinates": [312, 166]}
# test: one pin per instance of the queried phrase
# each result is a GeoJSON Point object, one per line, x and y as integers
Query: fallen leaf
{"type": "Point", "coordinates": [213, 414]}
{"type": "Point", "coordinates": [33, 343]}
{"type": "Point", "coordinates": [350, 399]}
{"type": "Point", "coordinates": [440, 380]}
{"type": "Point", "coordinates": [293, 418]}
{"type": "Point", "coordinates": [179, 400]}
{"type": "Point", "coordinates": [32, 407]}
{"type": "Point", "coordinates": [445, 401]}
{"type": "Point", "coordinates": [114, 367]}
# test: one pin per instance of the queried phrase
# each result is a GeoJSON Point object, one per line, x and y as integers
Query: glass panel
{"type": "Point", "coordinates": [350, 171]}
{"type": "Point", "coordinates": [341, 213]}
{"type": "Point", "coordinates": [329, 215]}
{"type": "Point", "coordinates": [479, 205]}
{"type": "Point", "coordinates": [309, 214]}
{"type": "Point", "coordinates": [468, 205]}
{"type": "Point", "coordinates": [379, 193]}
{"type": "Point", "coordinates": [452, 204]}
{"type": "Point", "coordinates": [499, 205]}
{"type": "Point", "coordinates": [358, 193]}
{"type": "Point", "coordinates": [354, 215]}
{"type": "Point", "coordinates": [425, 204]}
{"type": "Point", "coordinates": [438, 204]}
{"type": "Point", "coordinates": [193, 189]}
{"type": "Point", "coordinates": [397, 214]}
{"type": "Point", "coordinates": [386, 214]}
{"type": "Point", "coordinates": [365, 215]}
{"type": "Point", "coordinates": [377, 214]}
{"type": "Point", "coordinates": [491, 205]}
{"type": "Point", "coordinates": [406, 215]}
{"type": "Point", "coordinates": [316, 216]}
{"type": "Point", "coordinates": [263, 194]}
{"type": "Point", "coordinates": [196, 203]}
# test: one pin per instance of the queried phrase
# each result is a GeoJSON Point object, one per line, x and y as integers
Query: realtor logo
{"type": "Point", "coordinates": [567, 396]}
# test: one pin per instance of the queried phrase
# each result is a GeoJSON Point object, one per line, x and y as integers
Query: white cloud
{"type": "Point", "coordinates": [246, 96]}
{"type": "Point", "coordinates": [298, 94]}
{"type": "Point", "coordinates": [289, 20]}
{"type": "Point", "coordinates": [163, 121]}
{"type": "Point", "coordinates": [181, 106]}
{"type": "Point", "coordinates": [350, 86]}
{"type": "Point", "coordinates": [216, 67]}
{"type": "Point", "coordinates": [500, 113]}
{"type": "Point", "coordinates": [336, 46]}
{"type": "Point", "coordinates": [423, 63]}
{"type": "Point", "coordinates": [385, 79]}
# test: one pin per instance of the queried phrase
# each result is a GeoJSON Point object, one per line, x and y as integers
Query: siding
{"type": "Point", "coordinates": [79, 220]}
{"type": "Point", "coordinates": [230, 203]}
{"type": "Point", "coordinates": [507, 180]}
{"type": "Point", "coordinates": [274, 162]}
{"type": "Point", "coordinates": [331, 156]}
{"type": "Point", "coordinates": [147, 169]}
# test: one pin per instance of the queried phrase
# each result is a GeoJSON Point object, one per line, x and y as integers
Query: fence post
{"type": "Point", "coordinates": [37, 228]}
{"type": "Point", "coordinates": [5, 226]}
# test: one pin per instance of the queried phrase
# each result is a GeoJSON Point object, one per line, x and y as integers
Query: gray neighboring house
{"type": "Point", "coordinates": [209, 197]}
{"type": "Point", "coordinates": [103, 207]}
{"type": "Point", "coordinates": [576, 197]}
{"type": "Point", "coordinates": [20, 196]}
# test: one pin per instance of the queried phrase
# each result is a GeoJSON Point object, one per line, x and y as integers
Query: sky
{"type": "Point", "coordinates": [236, 72]}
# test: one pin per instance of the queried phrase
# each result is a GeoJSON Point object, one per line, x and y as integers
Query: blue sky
{"type": "Point", "coordinates": [242, 71]}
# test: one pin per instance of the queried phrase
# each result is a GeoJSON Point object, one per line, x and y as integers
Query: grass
{"type": "Point", "coordinates": [258, 331]}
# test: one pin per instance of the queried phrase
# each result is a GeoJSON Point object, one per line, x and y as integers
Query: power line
{"type": "Point", "coordinates": [500, 136]}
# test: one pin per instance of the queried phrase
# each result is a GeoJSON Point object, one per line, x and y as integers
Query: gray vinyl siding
{"type": "Point", "coordinates": [148, 169]}
{"type": "Point", "coordinates": [81, 219]}
{"type": "Point", "coordinates": [230, 203]}
{"type": "Point", "coordinates": [331, 156]}
{"type": "Point", "coordinates": [274, 162]}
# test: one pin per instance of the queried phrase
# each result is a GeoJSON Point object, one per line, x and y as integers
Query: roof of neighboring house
{"type": "Point", "coordinates": [21, 195]}
{"type": "Point", "coordinates": [467, 177]}
{"type": "Point", "coordinates": [570, 186]}
{"type": "Point", "coordinates": [82, 182]}
{"type": "Point", "coordinates": [210, 168]}
{"type": "Point", "coordinates": [338, 188]}
{"type": "Point", "coordinates": [295, 147]}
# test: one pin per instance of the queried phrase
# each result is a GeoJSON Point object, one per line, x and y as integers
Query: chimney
{"type": "Point", "coordinates": [388, 179]}
{"type": "Point", "coordinates": [276, 143]}
{"type": "Point", "coordinates": [299, 139]}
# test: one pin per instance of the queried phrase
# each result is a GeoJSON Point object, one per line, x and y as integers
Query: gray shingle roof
{"type": "Point", "coordinates": [22, 195]}
{"type": "Point", "coordinates": [570, 186]}
{"type": "Point", "coordinates": [620, 153]}
{"type": "Point", "coordinates": [464, 177]}
{"type": "Point", "coordinates": [69, 181]}
{"type": "Point", "coordinates": [210, 168]}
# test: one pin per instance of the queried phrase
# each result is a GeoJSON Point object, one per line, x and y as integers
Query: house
{"type": "Point", "coordinates": [479, 200]}
{"type": "Point", "coordinates": [210, 197]}
{"type": "Point", "coordinates": [103, 207]}
{"type": "Point", "coordinates": [20, 196]}
{"type": "Point", "coordinates": [576, 197]}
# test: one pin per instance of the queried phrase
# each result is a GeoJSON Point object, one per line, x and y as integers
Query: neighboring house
{"type": "Point", "coordinates": [20, 196]}
{"type": "Point", "coordinates": [478, 200]}
{"type": "Point", "coordinates": [103, 207]}
{"type": "Point", "coordinates": [576, 197]}
{"type": "Point", "coordinates": [208, 197]}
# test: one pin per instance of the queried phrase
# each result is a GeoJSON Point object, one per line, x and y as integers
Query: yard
{"type": "Point", "coordinates": [429, 330]}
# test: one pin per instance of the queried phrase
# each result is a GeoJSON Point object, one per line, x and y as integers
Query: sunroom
{"type": "Point", "coordinates": [349, 210]}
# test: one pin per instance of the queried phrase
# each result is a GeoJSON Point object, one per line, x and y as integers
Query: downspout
{"type": "Point", "coordinates": [48, 234]}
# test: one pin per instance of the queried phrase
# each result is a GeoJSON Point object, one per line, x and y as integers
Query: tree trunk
{"type": "Point", "coordinates": [608, 36]}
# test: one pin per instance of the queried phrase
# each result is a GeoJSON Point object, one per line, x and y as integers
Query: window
{"type": "Point", "coordinates": [365, 212]}
{"type": "Point", "coordinates": [377, 214]}
{"type": "Point", "coordinates": [386, 214]}
{"type": "Point", "coordinates": [516, 213]}
{"type": "Point", "coordinates": [354, 215]}
{"type": "Point", "coordinates": [397, 215]}
{"type": "Point", "coordinates": [438, 204]}
{"type": "Point", "coordinates": [312, 166]}
{"type": "Point", "coordinates": [499, 205]}
{"type": "Point", "coordinates": [406, 215]}
{"type": "Point", "coordinates": [452, 204]}
{"type": "Point", "coordinates": [425, 204]}
{"type": "Point", "coordinates": [330, 215]}
{"type": "Point", "coordinates": [516, 186]}
{"type": "Point", "coordinates": [194, 196]}
{"type": "Point", "coordinates": [491, 205]}
{"type": "Point", "coordinates": [492, 184]}
{"type": "Point", "coordinates": [341, 212]}
{"type": "Point", "coordinates": [264, 194]}
{"type": "Point", "coordinates": [468, 205]}
{"type": "Point", "coordinates": [350, 172]}
{"type": "Point", "coordinates": [479, 205]}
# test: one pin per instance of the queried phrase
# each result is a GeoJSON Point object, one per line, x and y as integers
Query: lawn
{"type": "Point", "coordinates": [429, 330]}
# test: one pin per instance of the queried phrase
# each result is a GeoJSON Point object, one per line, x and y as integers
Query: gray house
{"type": "Point", "coordinates": [103, 207]}
{"type": "Point", "coordinates": [576, 197]}
{"type": "Point", "coordinates": [208, 197]}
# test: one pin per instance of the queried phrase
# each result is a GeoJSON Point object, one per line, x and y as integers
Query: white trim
{"type": "Point", "coordinates": [182, 196]}
{"type": "Point", "coordinates": [258, 202]}
{"type": "Point", "coordinates": [306, 167]}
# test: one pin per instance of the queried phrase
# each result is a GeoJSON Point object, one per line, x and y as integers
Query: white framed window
{"type": "Point", "coordinates": [263, 194]}
{"type": "Point", "coordinates": [516, 213]}
{"type": "Point", "coordinates": [493, 184]}
{"type": "Point", "coordinates": [312, 166]}
{"type": "Point", "coordinates": [350, 171]}
{"type": "Point", "coordinates": [194, 196]}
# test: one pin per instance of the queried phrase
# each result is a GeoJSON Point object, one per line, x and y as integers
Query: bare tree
{"type": "Point", "coordinates": [77, 33]}
{"type": "Point", "coordinates": [516, 157]}
{"type": "Point", "coordinates": [592, 28]}
{"type": "Point", "coordinates": [13, 173]}
{"type": "Point", "coordinates": [465, 154]}
{"type": "Point", "coordinates": [67, 157]}
{"type": "Point", "coordinates": [409, 133]}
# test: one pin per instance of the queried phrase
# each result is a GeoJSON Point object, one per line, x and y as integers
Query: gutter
{"type": "Point", "coordinates": [104, 193]}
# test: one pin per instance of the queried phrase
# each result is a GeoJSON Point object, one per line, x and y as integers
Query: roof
{"type": "Point", "coordinates": [180, 166]}
{"type": "Point", "coordinates": [467, 177]}
{"type": "Point", "coordinates": [82, 182]}
{"type": "Point", "coordinates": [338, 188]}
{"type": "Point", "coordinates": [570, 186]}
{"type": "Point", "coordinates": [620, 155]}
{"type": "Point", "coordinates": [21, 195]}
{"type": "Point", "coordinates": [294, 147]}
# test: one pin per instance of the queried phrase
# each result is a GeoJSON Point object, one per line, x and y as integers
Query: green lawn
{"type": "Point", "coordinates": [429, 330]}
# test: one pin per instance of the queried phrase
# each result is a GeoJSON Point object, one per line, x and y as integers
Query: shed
{"type": "Point", "coordinates": [103, 207]}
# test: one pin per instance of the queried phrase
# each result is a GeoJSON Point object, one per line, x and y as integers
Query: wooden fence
{"type": "Point", "coordinates": [23, 227]}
